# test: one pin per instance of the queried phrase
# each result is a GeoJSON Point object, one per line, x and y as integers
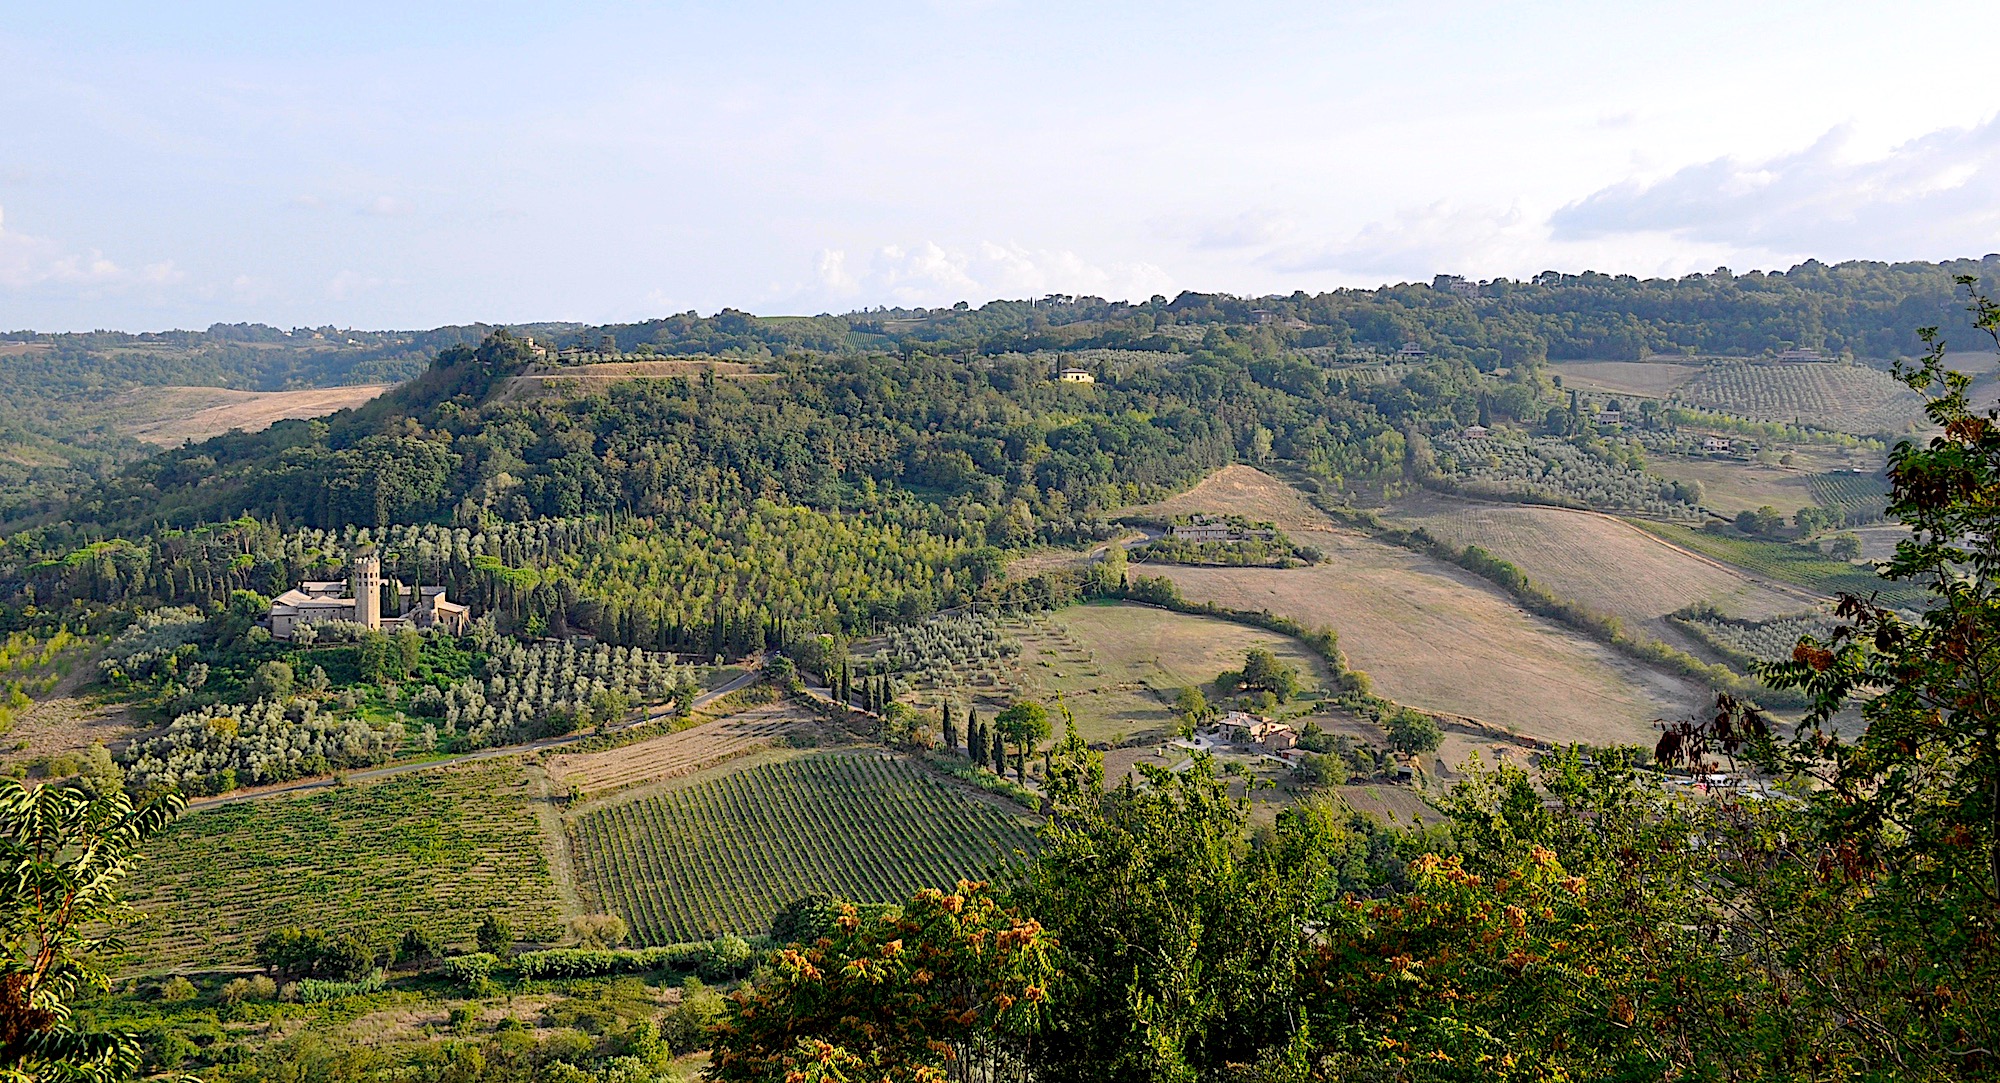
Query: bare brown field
{"type": "Point", "coordinates": [18, 349]}
{"type": "Point", "coordinates": [1603, 563]}
{"type": "Point", "coordinates": [1431, 635]}
{"type": "Point", "coordinates": [171, 416]}
{"type": "Point", "coordinates": [1241, 490]}
{"type": "Point", "coordinates": [1645, 379]}
{"type": "Point", "coordinates": [677, 754]}
{"type": "Point", "coordinates": [1728, 487]}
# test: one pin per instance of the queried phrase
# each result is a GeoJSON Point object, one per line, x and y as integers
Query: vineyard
{"type": "Point", "coordinates": [1557, 472]}
{"type": "Point", "coordinates": [435, 851]}
{"type": "Point", "coordinates": [677, 754]}
{"type": "Point", "coordinates": [724, 854]}
{"type": "Point", "coordinates": [1844, 398]}
{"type": "Point", "coordinates": [1861, 498]}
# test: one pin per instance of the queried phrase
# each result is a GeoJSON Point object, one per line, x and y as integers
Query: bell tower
{"type": "Point", "coordinates": [368, 590]}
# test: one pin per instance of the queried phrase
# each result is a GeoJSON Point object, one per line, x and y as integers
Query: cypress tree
{"type": "Point", "coordinates": [999, 754]}
{"type": "Point", "coordinates": [948, 726]}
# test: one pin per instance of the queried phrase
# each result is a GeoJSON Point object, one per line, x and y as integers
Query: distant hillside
{"type": "Point", "coordinates": [1867, 309]}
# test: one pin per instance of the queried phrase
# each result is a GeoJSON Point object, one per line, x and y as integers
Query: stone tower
{"type": "Point", "coordinates": [368, 590]}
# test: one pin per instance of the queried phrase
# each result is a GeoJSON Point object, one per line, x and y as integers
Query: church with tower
{"type": "Point", "coordinates": [358, 600]}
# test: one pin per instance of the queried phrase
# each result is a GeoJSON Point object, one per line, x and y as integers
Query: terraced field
{"type": "Point", "coordinates": [723, 854]}
{"type": "Point", "coordinates": [676, 754]}
{"type": "Point", "coordinates": [1843, 398]}
{"type": "Point", "coordinates": [437, 850]}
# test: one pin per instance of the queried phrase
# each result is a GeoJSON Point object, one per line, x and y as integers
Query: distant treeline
{"type": "Point", "coordinates": [1865, 308]}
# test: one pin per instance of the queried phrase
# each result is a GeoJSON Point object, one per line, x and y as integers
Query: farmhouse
{"type": "Point", "coordinates": [1477, 432]}
{"type": "Point", "coordinates": [1610, 417]}
{"type": "Point", "coordinates": [1714, 443]}
{"type": "Point", "coordinates": [1208, 529]}
{"type": "Point", "coordinates": [1077, 376]}
{"type": "Point", "coordinates": [1410, 352]}
{"type": "Point", "coordinates": [359, 601]}
{"type": "Point", "coordinates": [1241, 728]}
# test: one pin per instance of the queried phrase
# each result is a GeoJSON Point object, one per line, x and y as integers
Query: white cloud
{"type": "Point", "coordinates": [387, 207]}
{"type": "Point", "coordinates": [27, 261]}
{"type": "Point", "coordinates": [929, 274]}
{"type": "Point", "coordinates": [1935, 195]}
{"type": "Point", "coordinates": [1250, 229]}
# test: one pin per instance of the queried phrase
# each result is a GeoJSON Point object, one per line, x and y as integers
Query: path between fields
{"type": "Point", "coordinates": [743, 681]}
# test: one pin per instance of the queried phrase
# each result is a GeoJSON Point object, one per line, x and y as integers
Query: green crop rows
{"type": "Point", "coordinates": [1797, 564]}
{"type": "Point", "coordinates": [436, 850]}
{"type": "Point", "coordinates": [722, 856]}
{"type": "Point", "coordinates": [1862, 497]}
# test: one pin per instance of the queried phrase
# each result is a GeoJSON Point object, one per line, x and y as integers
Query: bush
{"type": "Point", "coordinates": [314, 990]}
{"type": "Point", "coordinates": [471, 971]}
{"type": "Point", "coordinates": [726, 957]}
{"type": "Point", "coordinates": [238, 990]}
{"type": "Point", "coordinates": [688, 1025]}
{"type": "Point", "coordinates": [419, 946]}
{"type": "Point", "coordinates": [496, 936]}
{"type": "Point", "coordinates": [177, 990]}
{"type": "Point", "coordinates": [598, 930]}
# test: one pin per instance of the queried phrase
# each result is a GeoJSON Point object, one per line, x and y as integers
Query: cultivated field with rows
{"type": "Point", "coordinates": [1863, 498]}
{"type": "Point", "coordinates": [1801, 565]}
{"type": "Point", "coordinates": [436, 850]}
{"type": "Point", "coordinates": [723, 854]}
{"type": "Point", "coordinates": [676, 754]}
{"type": "Point", "coordinates": [1557, 472]}
{"type": "Point", "coordinates": [1762, 641]}
{"type": "Point", "coordinates": [1430, 634]}
{"type": "Point", "coordinates": [1606, 564]}
{"type": "Point", "coordinates": [1844, 398]}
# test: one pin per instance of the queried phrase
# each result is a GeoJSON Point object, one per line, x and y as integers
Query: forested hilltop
{"type": "Point", "coordinates": [61, 430]}
{"type": "Point", "coordinates": [1865, 309]}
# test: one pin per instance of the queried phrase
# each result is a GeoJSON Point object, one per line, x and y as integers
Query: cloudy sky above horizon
{"type": "Point", "coordinates": [411, 164]}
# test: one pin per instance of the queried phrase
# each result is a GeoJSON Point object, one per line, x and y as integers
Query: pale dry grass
{"type": "Point", "coordinates": [171, 416]}
{"type": "Point", "coordinates": [1431, 635]}
{"type": "Point", "coordinates": [677, 754]}
{"type": "Point", "coordinates": [1606, 564]}
{"type": "Point", "coordinates": [1644, 379]}
{"type": "Point", "coordinates": [1728, 486]}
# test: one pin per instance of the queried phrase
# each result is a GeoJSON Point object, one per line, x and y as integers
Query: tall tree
{"type": "Point", "coordinates": [63, 855]}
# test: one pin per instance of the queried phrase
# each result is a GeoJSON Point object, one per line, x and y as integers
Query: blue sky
{"type": "Point", "coordinates": [411, 164]}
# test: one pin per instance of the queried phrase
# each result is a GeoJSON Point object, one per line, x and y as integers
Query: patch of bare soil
{"type": "Point", "coordinates": [171, 416]}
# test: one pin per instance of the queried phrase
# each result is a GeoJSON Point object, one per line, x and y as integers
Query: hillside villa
{"type": "Point", "coordinates": [359, 601]}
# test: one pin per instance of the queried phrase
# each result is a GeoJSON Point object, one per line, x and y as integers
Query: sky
{"type": "Point", "coordinates": [409, 164]}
